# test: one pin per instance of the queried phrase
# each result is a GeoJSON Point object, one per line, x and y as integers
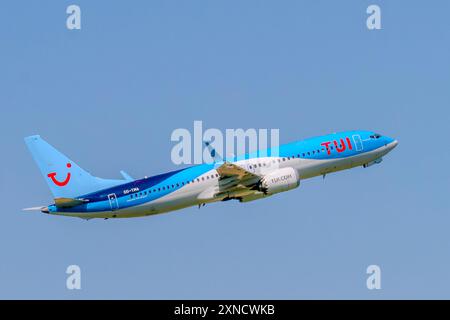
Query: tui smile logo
{"type": "Point", "coordinates": [52, 176]}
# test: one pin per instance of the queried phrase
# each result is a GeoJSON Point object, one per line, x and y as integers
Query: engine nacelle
{"type": "Point", "coordinates": [280, 180]}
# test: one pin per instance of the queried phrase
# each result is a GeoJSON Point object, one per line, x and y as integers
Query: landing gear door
{"type": "Point", "coordinates": [113, 201]}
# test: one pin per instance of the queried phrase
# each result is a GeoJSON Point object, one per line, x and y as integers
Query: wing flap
{"type": "Point", "coordinates": [234, 180]}
{"type": "Point", "coordinates": [228, 170]}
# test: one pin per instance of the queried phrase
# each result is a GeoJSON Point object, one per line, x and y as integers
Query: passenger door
{"type": "Point", "coordinates": [113, 201]}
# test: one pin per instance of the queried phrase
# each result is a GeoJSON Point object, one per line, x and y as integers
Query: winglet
{"type": "Point", "coordinates": [214, 155]}
{"type": "Point", "coordinates": [126, 176]}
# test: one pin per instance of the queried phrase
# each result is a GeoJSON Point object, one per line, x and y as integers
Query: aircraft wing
{"type": "Point", "coordinates": [230, 170]}
{"type": "Point", "coordinates": [234, 179]}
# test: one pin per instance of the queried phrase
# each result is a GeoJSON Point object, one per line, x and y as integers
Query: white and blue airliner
{"type": "Point", "coordinates": [244, 178]}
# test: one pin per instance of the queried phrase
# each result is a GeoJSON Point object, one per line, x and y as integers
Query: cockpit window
{"type": "Point", "coordinates": [376, 136]}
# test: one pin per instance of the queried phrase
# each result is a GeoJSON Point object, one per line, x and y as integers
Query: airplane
{"type": "Point", "coordinates": [245, 178]}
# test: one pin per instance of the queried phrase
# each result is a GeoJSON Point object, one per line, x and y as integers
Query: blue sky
{"type": "Point", "coordinates": [110, 95]}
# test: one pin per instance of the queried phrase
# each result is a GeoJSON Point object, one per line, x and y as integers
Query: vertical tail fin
{"type": "Point", "coordinates": [64, 177]}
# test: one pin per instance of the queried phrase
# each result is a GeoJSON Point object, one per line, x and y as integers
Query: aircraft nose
{"type": "Point", "coordinates": [391, 145]}
{"type": "Point", "coordinates": [394, 144]}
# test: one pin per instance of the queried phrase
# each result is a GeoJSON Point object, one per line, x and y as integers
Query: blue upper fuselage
{"type": "Point", "coordinates": [332, 146]}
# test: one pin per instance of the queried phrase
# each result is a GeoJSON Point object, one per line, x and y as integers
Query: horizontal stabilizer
{"type": "Point", "coordinates": [34, 208]}
{"type": "Point", "coordinates": [69, 202]}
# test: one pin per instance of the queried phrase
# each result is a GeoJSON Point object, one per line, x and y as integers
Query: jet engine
{"type": "Point", "coordinates": [278, 181]}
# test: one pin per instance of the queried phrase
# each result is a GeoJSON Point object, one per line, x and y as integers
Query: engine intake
{"type": "Point", "coordinates": [278, 181]}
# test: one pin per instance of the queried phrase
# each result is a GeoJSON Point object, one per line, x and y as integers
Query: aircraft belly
{"type": "Point", "coordinates": [179, 199]}
{"type": "Point", "coordinates": [309, 168]}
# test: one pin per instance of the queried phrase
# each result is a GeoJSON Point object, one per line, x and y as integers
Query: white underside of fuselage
{"type": "Point", "coordinates": [191, 194]}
